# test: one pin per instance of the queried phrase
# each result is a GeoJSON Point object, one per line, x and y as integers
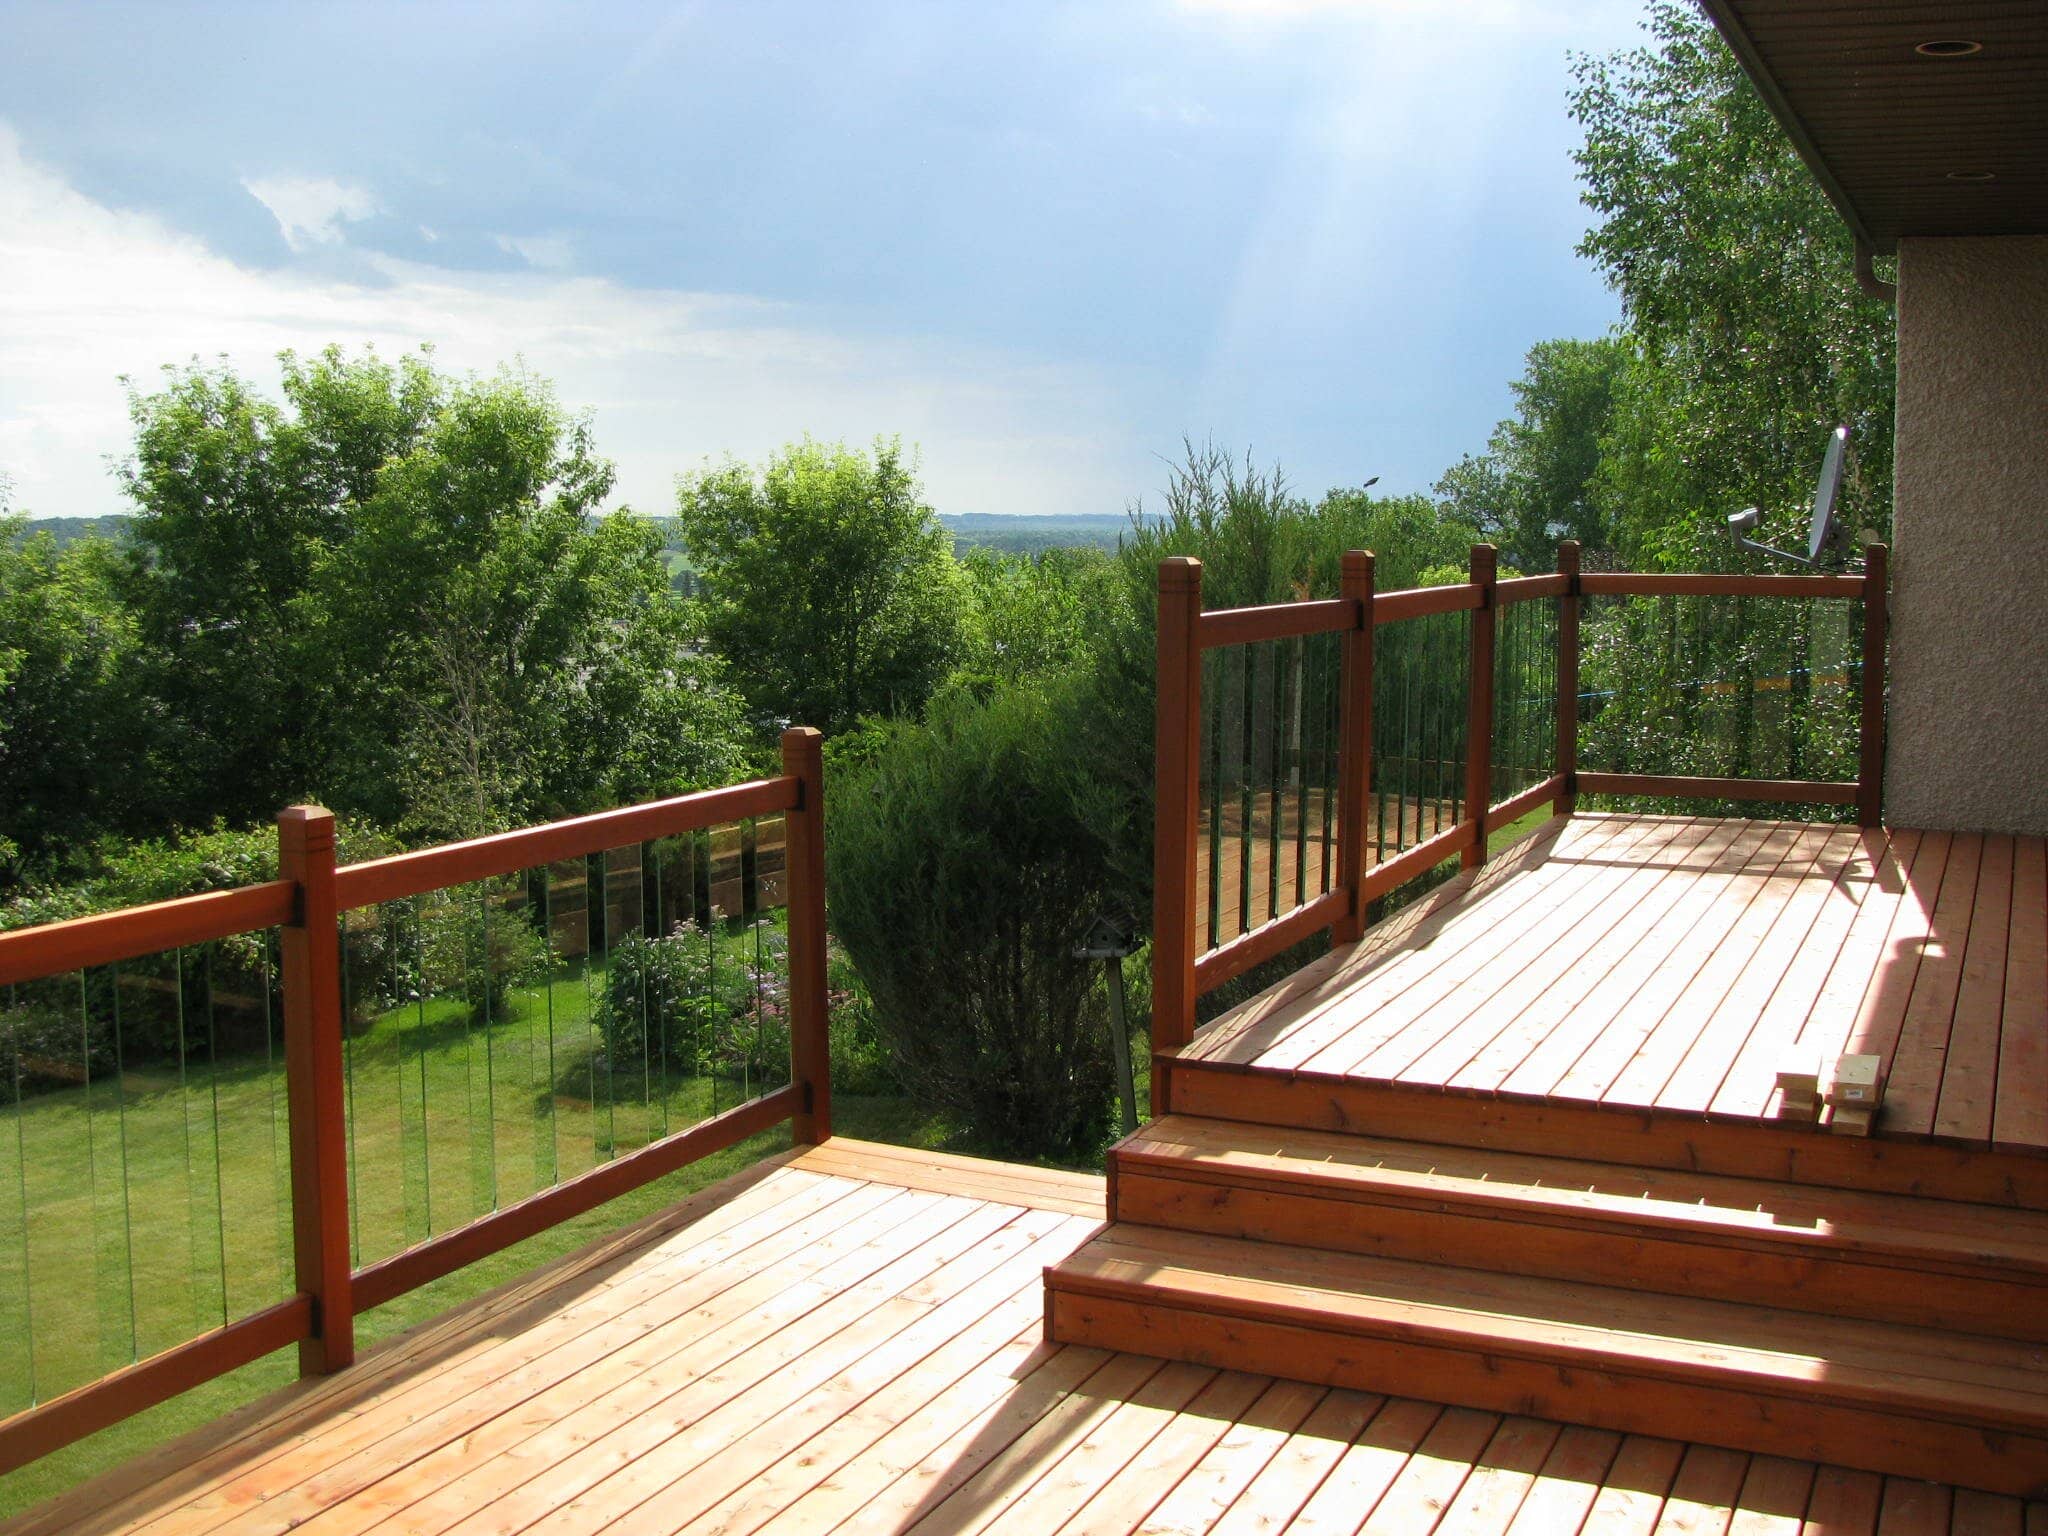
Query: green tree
{"type": "Point", "coordinates": [1538, 481]}
{"type": "Point", "coordinates": [829, 586]}
{"type": "Point", "coordinates": [962, 876]}
{"type": "Point", "coordinates": [72, 729]}
{"type": "Point", "coordinates": [1032, 615]}
{"type": "Point", "coordinates": [392, 591]}
{"type": "Point", "coordinates": [1749, 334]}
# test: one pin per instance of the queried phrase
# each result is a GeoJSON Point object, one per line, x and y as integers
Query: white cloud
{"type": "Point", "coordinates": [552, 253]}
{"type": "Point", "coordinates": [88, 293]}
{"type": "Point", "coordinates": [310, 210]}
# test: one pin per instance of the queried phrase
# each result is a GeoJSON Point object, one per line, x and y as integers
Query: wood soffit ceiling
{"type": "Point", "coordinates": [1888, 130]}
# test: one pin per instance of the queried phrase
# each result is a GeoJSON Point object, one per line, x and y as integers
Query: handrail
{"type": "Point", "coordinates": [1185, 631]}
{"type": "Point", "coordinates": [305, 904]}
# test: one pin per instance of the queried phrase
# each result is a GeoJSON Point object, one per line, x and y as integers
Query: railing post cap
{"type": "Point", "coordinates": [313, 824]}
{"type": "Point", "coordinates": [1357, 559]}
{"type": "Point", "coordinates": [802, 738]}
{"type": "Point", "coordinates": [1179, 571]}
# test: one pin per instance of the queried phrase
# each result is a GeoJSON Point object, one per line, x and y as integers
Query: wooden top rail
{"type": "Point", "coordinates": [106, 938]}
{"type": "Point", "coordinates": [432, 869]}
{"type": "Point", "coordinates": [1519, 589]}
{"type": "Point", "coordinates": [1420, 602]}
{"type": "Point", "coordinates": [1627, 584]}
{"type": "Point", "coordinates": [1275, 621]}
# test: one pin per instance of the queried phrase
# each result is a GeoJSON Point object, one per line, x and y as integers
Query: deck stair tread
{"type": "Point", "coordinates": [1985, 1386]}
{"type": "Point", "coordinates": [1903, 1230]}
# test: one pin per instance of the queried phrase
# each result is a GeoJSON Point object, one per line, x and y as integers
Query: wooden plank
{"type": "Point", "coordinates": [595, 1469]}
{"type": "Point", "coordinates": [106, 938]}
{"type": "Point", "coordinates": [1287, 1482]}
{"type": "Point", "coordinates": [810, 1050]}
{"type": "Point", "coordinates": [1354, 749]}
{"type": "Point", "coordinates": [1502, 1477]}
{"type": "Point", "coordinates": [1913, 1508]}
{"type": "Point", "coordinates": [1966, 1095]}
{"type": "Point", "coordinates": [1124, 1502]}
{"type": "Point", "coordinates": [1844, 1503]}
{"type": "Point", "coordinates": [1751, 1082]}
{"type": "Point", "coordinates": [1479, 689]}
{"type": "Point", "coordinates": [1275, 621]}
{"type": "Point", "coordinates": [432, 869]}
{"type": "Point", "coordinates": [1367, 1468]}
{"type": "Point", "coordinates": [1575, 937]}
{"type": "Point", "coordinates": [1568, 1482]}
{"type": "Point", "coordinates": [1870, 723]}
{"type": "Point", "coordinates": [1915, 1064]}
{"type": "Point", "coordinates": [1774, 1498]}
{"type": "Point", "coordinates": [1568, 608]}
{"type": "Point", "coordinates": [672, 1339]}
{"type": "Point", "coordinates": [1421, 602]}
{"type": "Point", "coordinates": [1736, 1024]}
{"type": "Point", "coordinates": [1437, 971]}
{"type": "Point", "coordinates": [1703, 1495]}
{"type": "Point", "coordinates": [1177, 796]}
{"type": "Point", "coordinates": [950, 1488]}
{"type": "Point", "coordinates": [1539, 1067]}
{"type": "Point", "coordinates": [1665, 1022]}
{"type": "Point", "coordinates": [1986, 1514]}
{"type": "Point", "coordinates": [1633, 1496]}
{"type": "Point", "coordinates": [1046, 1189]}
{"type": "Point", "coordinates": [1867, 951]}
{"type": "Point", "coordinates": [1209, 1488]}
{"type": "Point", "coordinates": [1515, 807]}
{"type": "Point", "coordinates": [1520, 589]}
{"type": "Point", "coordinates": [2020, 1119]}
{"type": "Point", "coordinates": [1434, 1475]}
{"type": "Point", "coordinates": [1887, 990]}
{"type": "Point", "coordinates": [1260, 944]}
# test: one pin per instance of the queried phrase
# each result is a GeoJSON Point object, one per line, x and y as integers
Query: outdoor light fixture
{"type": "Point", "coordinates": [1949, 48]}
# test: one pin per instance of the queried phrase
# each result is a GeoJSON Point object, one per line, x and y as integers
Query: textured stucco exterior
{"type": "Point", "coordinates": [1968, 715]}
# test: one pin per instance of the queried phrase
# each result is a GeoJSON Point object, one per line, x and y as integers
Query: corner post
{"type": "Point", "coordinates": [810, 1043]}
{"type": "Point", "coordinates": [1479, 706]}
{"type": "Point", "coordinates": [1354, 744]}
{"type": "Point", "coordinates": [313, 1089]}
{"type": "Point", "coordinates": [1177, 752]}
{"type": "Point", "coordinates": [1870, 758]}
{"type": "Point", "coordinates": [1567, 800]}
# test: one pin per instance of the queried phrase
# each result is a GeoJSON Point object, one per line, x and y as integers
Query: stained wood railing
{"type": "Point", "coordinates": [307, 905]}
{"type": "Point", "coordinates": [1463, 812]}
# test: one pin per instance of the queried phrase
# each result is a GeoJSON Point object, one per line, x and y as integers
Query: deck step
{"type": "Point", "coordinates": [1857, 1254]}
{"type": "Point", "coordinates": [1914, 1402]}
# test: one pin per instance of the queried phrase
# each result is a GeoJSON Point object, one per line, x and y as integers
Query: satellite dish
{"type": "Point", "coordinates": [1826, 539]}
{"type": "Point", "coordinates": [1825, 530]}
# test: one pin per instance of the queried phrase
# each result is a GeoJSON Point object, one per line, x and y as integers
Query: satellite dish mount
{"type": "Point", "coordinates": [1827, 541]}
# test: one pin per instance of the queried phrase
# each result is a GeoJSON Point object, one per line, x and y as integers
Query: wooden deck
{"type": "Point", "coordinates": [1668, 964]}
{"type": "Point", "coordinates": [850, 1340]}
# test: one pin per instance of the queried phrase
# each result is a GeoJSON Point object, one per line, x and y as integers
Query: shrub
{"type": "Point", "coordinates": [711, 1001]}
{"type": "Point", "coordinates": [962, 875]}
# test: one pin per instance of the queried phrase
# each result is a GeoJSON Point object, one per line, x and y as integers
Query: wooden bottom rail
{"type": "Point", "coordinates": [37, 1431]}
{"type": "Point", "coordinates": [407, 1271]}
{"type": "Point", "coordinates": [1268, 939]}
{"type": "Point", "coordinates": [1795, 791]}
{"type": "Point", "coordinates": [1515, 807]}
{"type": "Point", "coordinates": [1419, 860]}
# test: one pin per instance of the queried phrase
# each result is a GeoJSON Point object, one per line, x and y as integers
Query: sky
{"type": "Point", "coordinates": [1044, 243]}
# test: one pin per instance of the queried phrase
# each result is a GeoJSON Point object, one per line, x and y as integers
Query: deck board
{"type": "Point", "coordinates": [841, 1342]}
{"type": "Point", "coordinates": [1670, 963]}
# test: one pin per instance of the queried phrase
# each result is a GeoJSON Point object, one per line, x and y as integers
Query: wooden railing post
{"type": "Point", "coordinates": [1177, 754]}
{"type": "Point", "coordinates": [313, 1089]}
{"type": "Point", "coordinates": [1479, 707]}
{"type": "Point", "coordinates": [1870, 759]}
{"type": "Point", "coordinates": [1354, 745]}
{"type": "Point", "coordinates": [1568, 679]}
{"type": "Point", "coordinates": [810, 1044]}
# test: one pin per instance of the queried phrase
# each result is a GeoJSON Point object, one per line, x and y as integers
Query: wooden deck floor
{"type": "Point", "coordinates": [849, 1340]}
{"type": "Point", "coordinates": [1669, 963]}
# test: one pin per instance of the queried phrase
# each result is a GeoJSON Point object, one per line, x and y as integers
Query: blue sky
{"type": "Point", "coordinates": [1043, 242]}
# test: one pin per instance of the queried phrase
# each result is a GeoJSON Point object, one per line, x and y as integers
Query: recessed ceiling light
{"type": "Point", "coordinates": [1949, 48]}
{"type": "Point", "coordinates": [1973, 175]}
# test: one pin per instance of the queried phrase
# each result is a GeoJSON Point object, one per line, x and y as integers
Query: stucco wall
{"type": "Point", "coordinates": [1968, 715]}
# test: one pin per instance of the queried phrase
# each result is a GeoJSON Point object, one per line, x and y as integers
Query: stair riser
{"type": "Point", "coordinates": [1873, 1439]}
{"type": "Point", "coordinates": [1611, 1254]}
{"type": "Point", "coordinates": [1641, 1138]}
